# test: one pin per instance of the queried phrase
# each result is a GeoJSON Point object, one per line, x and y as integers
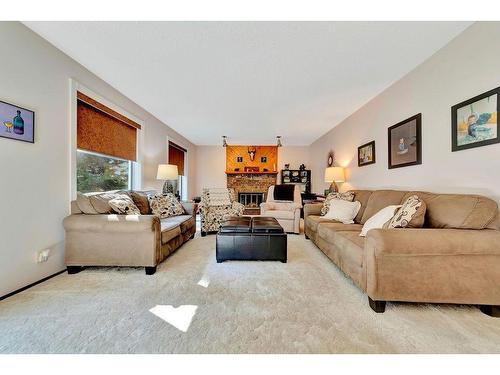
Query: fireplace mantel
{"type": "Point", "coordinates": [252, 173]}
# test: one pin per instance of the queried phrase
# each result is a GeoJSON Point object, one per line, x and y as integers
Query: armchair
{"type": "Point", "coordinates": [216, 206]}
{"type": "Point", "coordinates": [286, 212]}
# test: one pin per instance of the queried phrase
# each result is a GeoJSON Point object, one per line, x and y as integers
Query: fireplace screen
{"type": "Point", "coordinates": [251, 200]}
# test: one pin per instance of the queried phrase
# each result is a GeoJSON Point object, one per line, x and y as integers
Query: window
{"type": "Point", "coordinates": [95, 172]}
{"type": "Point", "coordinates": [176, 156]}
{"type": "Point", "coordinates": [106, 147]}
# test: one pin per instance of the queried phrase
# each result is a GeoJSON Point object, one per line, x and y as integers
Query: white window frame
{"type": "Point", "coordinates": [74, 87]}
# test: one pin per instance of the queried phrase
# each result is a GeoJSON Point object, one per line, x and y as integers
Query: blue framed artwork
{"type": "Point", "coordinates": [17, 123]}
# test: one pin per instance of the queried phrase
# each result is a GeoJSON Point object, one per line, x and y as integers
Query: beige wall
{"type": "Point", "coordinates": [466, 67]}
{"type": "Point", "coordinates": [211, 163]}
{"type": "Point", "coordinates": [35, 178]}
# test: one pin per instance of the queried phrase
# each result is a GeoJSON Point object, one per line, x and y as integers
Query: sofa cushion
{"type": "Point", "coordinates": [380, 199]}
{"type": "Point", "coordinates": [327, 231]}
{"type": "Point", "coordinates": [458, 211]}
{"type": "Point", "coordinates": [175, 225]}
{"type": "Point", "coordinates": [312, 221]}
{"type": "Point", "coordinates": [169, 231]}
{"type": "Point", "coordinates": [362, 197]}
{"type": "Point", "coordinates": [350, 246]}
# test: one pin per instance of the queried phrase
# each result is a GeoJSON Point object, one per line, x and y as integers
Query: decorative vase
{"type": "Point", "coordinates": [18, 124]}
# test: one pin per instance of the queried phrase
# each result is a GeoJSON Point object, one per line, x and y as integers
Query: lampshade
{"type": "Point", "coordinates": [167, 172]}
{"type": "Point", "coordinates": [335, 174]}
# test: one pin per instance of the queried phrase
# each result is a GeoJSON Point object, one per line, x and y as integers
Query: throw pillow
{"type": "Point", "coordinates": [165, 205]}
{"type": "Point", "coordinates": [83, 203]}
{"type": "Point", "coordinates": [343, 211]}
{"type": "Point", "coordinates": [123, 204]}
{"type": "Point", "coordinates": [410, 215]}
{"type": "Point", "coordinates": [100, 202]}
{"type": "Point", "coordinates": [378, 220]}
{"type": "Point", "coordinates": [347, 196]}
{"type": "Point", "coordinates": [141, 201]}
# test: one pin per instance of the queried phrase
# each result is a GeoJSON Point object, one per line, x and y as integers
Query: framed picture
{"type": "Point", "coordinates": [405, 142]}
{"type": "Point", "coordinates": [366, 154]}
{"type": "Point", "coordinates": [263, 159]}
{"type": "Point", "coordinates": [17, 123]}
{"type": "Point", "coordinates": [474, 122]}
{"type": "Point", "coordinates": [239, 159]}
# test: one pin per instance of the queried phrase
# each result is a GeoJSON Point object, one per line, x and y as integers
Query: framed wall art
{"type": "Point", "coordinates": [366, 154]}
{"type": "Point", "coordinates": [405, 142]}
{"type": "Point", "coordinates": [474, 122]}
{"type": "Point", "coordinates": [17, 123]}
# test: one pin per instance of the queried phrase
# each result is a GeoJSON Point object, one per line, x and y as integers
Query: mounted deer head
{"type": "Point", "coordinates": [252, 151]}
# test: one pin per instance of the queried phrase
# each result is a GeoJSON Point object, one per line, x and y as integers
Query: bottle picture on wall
{"type": "Point", "coordinates": [17, 123]}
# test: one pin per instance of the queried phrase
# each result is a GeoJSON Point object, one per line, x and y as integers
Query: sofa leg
{"type": "Point", "coordinates": [203, 233]}
{"type": "Point", "coordinates": [150, 270]}
{"type": "Point", "coordinates": [74, 269]}
{"type": "Point", "coordinates": [377, 306]}
{"type": "Point", "coordinates": [488, 310]}
{"type": "Point", "coordinates": [306, 236]}
{"type": "Point", "coordinates": [192, 236]}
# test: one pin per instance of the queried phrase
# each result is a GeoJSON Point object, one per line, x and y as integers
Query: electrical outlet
{"type": "Point", "coordinates": [43, 255]}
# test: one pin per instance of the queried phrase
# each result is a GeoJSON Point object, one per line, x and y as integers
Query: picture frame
{"type": "Point", "coordinates": [404, 141]}
{"type": "Point", "coordinates": [239, 159]}
{"type": "Point", "coordinates": [263, 159]}
{"type": "Point", "coordinates": [474, 122]}
{"type": "Point", "coordinates": [366, 154]}
{"type": "Point", "coordinates": [17, 123]}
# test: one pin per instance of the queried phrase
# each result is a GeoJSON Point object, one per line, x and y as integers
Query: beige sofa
{"type": "Point", "coordinates": [287, 213]}
{"type": "Point", "coordinates": [124, 240]}
{"type": "Point", "coordinates": [455, 258]}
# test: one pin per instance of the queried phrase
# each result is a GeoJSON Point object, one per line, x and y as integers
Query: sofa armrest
{"type": "Point", "coordinates": [191, 208]}
{"type": "Point", "coordinates": [426, 241]}
{"type": "Point", "coordinates": [112, 223]}
{"type": "Point", "coordinates": [312, 209]}
{"type": "Point", "coordinates": [433, 265]}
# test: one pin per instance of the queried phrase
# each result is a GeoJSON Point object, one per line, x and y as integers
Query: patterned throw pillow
{"type": "Point", "coordinates": [347, 196]}
{"type": "Point", "coordinates": [165, 205]}
{"type": "Point", "coordinates": [123, 204]}
{"type": "Point", "coordinates": [410, 215]}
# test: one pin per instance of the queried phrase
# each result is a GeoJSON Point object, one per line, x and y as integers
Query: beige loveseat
{"type": "Point", "coordinates": [455, 258]}
{"type": "Point", "coordinates": [124, 240]}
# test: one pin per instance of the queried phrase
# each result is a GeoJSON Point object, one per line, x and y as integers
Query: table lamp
{"type": "Point", "coordinates": [167, 172]}
{"type": "Point", "coordinates": [334, 175]}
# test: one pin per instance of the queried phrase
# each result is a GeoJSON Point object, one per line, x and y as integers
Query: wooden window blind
{"type": "Point", "coordinates": [102, 130]}
{"type": "Point", "coordinates": [176, 156]}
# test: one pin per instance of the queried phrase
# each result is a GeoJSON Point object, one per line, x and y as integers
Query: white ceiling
{"type": "Point", "coordinates": [250, 81]}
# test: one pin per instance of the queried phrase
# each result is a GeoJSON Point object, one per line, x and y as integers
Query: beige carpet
{"type": "Point", "coordinates": [194, 305]}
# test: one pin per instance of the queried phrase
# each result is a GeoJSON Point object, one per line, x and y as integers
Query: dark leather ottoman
{"type": "Point", "coordinates": [245, 238]}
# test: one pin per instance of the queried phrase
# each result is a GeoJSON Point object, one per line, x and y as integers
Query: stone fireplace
{"type": "Point", "coordinates": [251, 188]}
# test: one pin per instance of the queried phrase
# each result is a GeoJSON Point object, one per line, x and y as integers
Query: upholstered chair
{"type": "Point", "coordinates": [217, 204]}
{"type": "Point", "coordinates": [286, 212]}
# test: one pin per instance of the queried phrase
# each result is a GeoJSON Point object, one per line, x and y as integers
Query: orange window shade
{"type": "Point", "coordinates": [176, 156]}
{"type": "Point", "coordinates": [100, 132]}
